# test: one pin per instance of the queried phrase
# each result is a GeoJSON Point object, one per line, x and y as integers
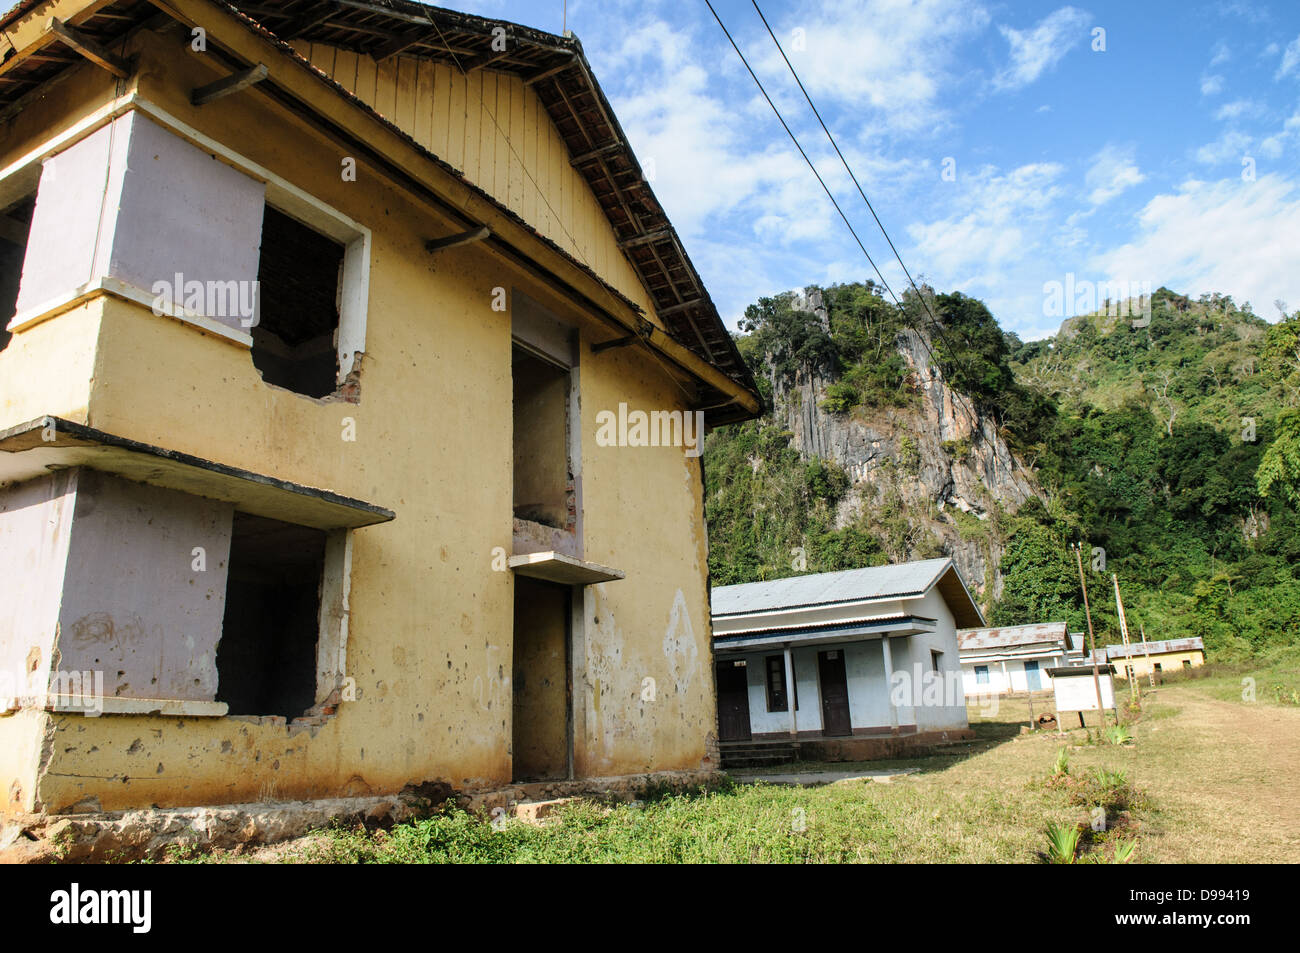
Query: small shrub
{"type": "Point", "coordinates": [1062, 842]}
{"type": "Point", "coordinates": [1118, 735]}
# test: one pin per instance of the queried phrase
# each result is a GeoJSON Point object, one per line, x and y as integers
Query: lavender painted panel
{"type": "Point", "coordinates": [134, 606]}
{"type": "Point", "coordinates": [184, 212]}
{"type": "Point", "coordinates": [35, 518]}
{"type": "Point", "coordinates": [77, 186]}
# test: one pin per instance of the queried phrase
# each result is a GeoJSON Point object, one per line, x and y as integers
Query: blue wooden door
{"type": "Point", "coordinates": [1032, 678]}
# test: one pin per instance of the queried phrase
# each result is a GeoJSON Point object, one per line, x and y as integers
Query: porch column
{"type": "Point", "coordinates": [889, 682]}
{"type": "Point", "coordinates": [789, 694]}
{"type": "Point", "coordinates": [1006, 677]}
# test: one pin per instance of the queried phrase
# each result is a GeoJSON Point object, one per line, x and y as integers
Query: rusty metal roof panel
{"type": "Point", "coordinates": [1010, 635]}
{"type": "Point", "coordinates": [1137, 649]}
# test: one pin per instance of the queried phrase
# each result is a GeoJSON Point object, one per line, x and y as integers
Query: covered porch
{"type": "Point", "coordinates": [830, 692]}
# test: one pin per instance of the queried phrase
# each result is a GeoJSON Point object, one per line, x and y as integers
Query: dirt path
{"type": "Point", "coordinates": [1227, 776]}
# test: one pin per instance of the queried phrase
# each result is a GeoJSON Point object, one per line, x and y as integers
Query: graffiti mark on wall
{"type": "Point", "coordinates": [680, 648]}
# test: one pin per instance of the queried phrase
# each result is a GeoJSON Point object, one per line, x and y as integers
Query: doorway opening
{"type": "Point", "coordinates": [541, 683]}
{"type": "Point", "coordinates": [733, 701]}
{"type": "Point", "coordinates": [835, 693]}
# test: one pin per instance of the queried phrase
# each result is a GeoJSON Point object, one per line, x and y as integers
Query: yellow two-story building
{"type": "Point", "coordinates": [352, 388]}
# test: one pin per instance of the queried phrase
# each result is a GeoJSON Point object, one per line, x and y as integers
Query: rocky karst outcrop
{"type": "Point", "coordinates": [925, 461]}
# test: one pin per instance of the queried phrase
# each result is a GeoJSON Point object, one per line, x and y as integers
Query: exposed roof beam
{"type": "Point", "coordinates": [655, 236]}
{"type": "Point", "coordinates": [547, 73]}
{"type": "Point", "coordinates": [487, 60]}
{"type": "Point", "coordinates": [460, 238]}
{"type": "Point", "coordinates": [88, 48]}
{"type": "Point", "coordinates": [685, 305]}
{"type": "Point", "coordinates": [596, 153]}
{"type": "Point", "coordinates": [399, 42]}
{"type": "Point", "coordinates": [228, 84]}
{"type": "Point", "coordinates": [296, 28]}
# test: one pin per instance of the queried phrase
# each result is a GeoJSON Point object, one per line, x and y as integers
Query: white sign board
{"type": "Point", "coordinates": [1076, 692]}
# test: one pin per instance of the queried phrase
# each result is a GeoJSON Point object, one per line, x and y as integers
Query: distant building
{"type": "Point", "coordinates": [1153, 658]}
{"type": "Point", "coordinates": [835, 661]}
{"type": "Point", "coordinates": [1013, 658]}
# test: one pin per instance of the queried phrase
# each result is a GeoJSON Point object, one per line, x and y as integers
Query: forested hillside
{"type": "Point", "coordinates": [1169, 447]}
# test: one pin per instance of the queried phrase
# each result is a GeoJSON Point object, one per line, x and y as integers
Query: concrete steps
{"type": "Point", "coordinates": [757, 754]}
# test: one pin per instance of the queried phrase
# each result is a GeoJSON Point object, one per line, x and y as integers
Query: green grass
{"type": "Point", "coordinates": [1208, 779]}
{"type": "Point", "coordinates": [987, 803]}
{"type": "Point", "coordinates": [1275, 679]}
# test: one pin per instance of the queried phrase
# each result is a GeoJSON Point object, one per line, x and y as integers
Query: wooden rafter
{"type": "Point", "coordinates": [91, 50]}
{"type": "Point", "coordinates": [233, 83]}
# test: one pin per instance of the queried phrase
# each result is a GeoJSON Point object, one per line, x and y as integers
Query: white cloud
{"type": "Point", "coordinates": [1113, 170]}
{"type": "Point", "coordinates": [1220, 54]}
{"type": "Point", "coordinates": [889, 60]}
{"type": "Point", "coordinates": [1239, 109]}
{"type": "Point", "coordinates": [1229, 147]}
{"type": "Point", "coordinates": [1235, 237]}
{"type": "Point", "coordinates": [1211, 85]}
{"type": "Point", "coordinates": [1245, 11]}
{"type": "Point", "coordinates": [1273, 146]}
{"type": "Point", "coordinates": [1290, 59]}
{"type": "Point", "coordinates": [1039, 48]}
{"type": "Point", "coordinates": [991, 228]}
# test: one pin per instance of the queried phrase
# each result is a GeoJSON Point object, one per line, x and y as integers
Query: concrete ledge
{"type": "Point", "coordinates": [872, 749]}
{"type": "Point", "coordinates": [111, 836]}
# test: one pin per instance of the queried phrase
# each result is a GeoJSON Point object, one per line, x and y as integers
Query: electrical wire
{"type": "Point", "coordinates": [920, 295]}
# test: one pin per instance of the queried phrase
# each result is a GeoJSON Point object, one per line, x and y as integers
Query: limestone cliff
{"type": "Point", "coordinates": [927, 476]}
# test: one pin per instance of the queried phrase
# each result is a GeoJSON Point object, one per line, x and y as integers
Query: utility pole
{"type": "Point", "coordinates": [1128, 646]}
{"type": "Point", "coordinates": [1092, 641]}
{"type": "Point", "coordinates": [1146, 652]}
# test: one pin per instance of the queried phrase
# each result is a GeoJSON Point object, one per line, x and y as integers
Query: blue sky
{"type": "Point", "coordinates": [1171, 156]}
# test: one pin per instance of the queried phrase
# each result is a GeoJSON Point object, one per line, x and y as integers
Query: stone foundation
{"type": "Point", "coordinates": [113, 836]}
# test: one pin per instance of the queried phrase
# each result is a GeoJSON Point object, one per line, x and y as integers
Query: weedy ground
{"type": "Point", "coordinates": [1209, 777]}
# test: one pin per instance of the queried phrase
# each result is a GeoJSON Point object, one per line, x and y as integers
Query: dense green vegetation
{"type": "Point", "coordinates": [1168, 448]}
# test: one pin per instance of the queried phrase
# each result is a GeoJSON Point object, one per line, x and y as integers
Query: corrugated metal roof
{"type": "Point", "coordinates": [847, 585]}
{"type": "Point", "coordinates": [1139, 649]}
{"type": "Point", "coordinates": [1008, 635]}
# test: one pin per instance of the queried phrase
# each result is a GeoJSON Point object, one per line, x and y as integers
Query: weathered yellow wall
{"type": "Point", "coordinates": [47, 368]}
{"type": "Point", "coordinates": [21, 736]}
{"type": "Point", "coordinates": [430, 641]}
{"type": "Point", "coordinates": [1170, 662]}
{"type": "Point", "coordinates": [644, 510]}
{"type": "Point", "coordinates": [496, 131]}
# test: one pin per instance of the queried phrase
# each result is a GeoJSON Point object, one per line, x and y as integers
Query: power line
{"type": "Point", "coordinates": [938, 325]}
{"type": "Point", "coordinates": [795, 140]}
